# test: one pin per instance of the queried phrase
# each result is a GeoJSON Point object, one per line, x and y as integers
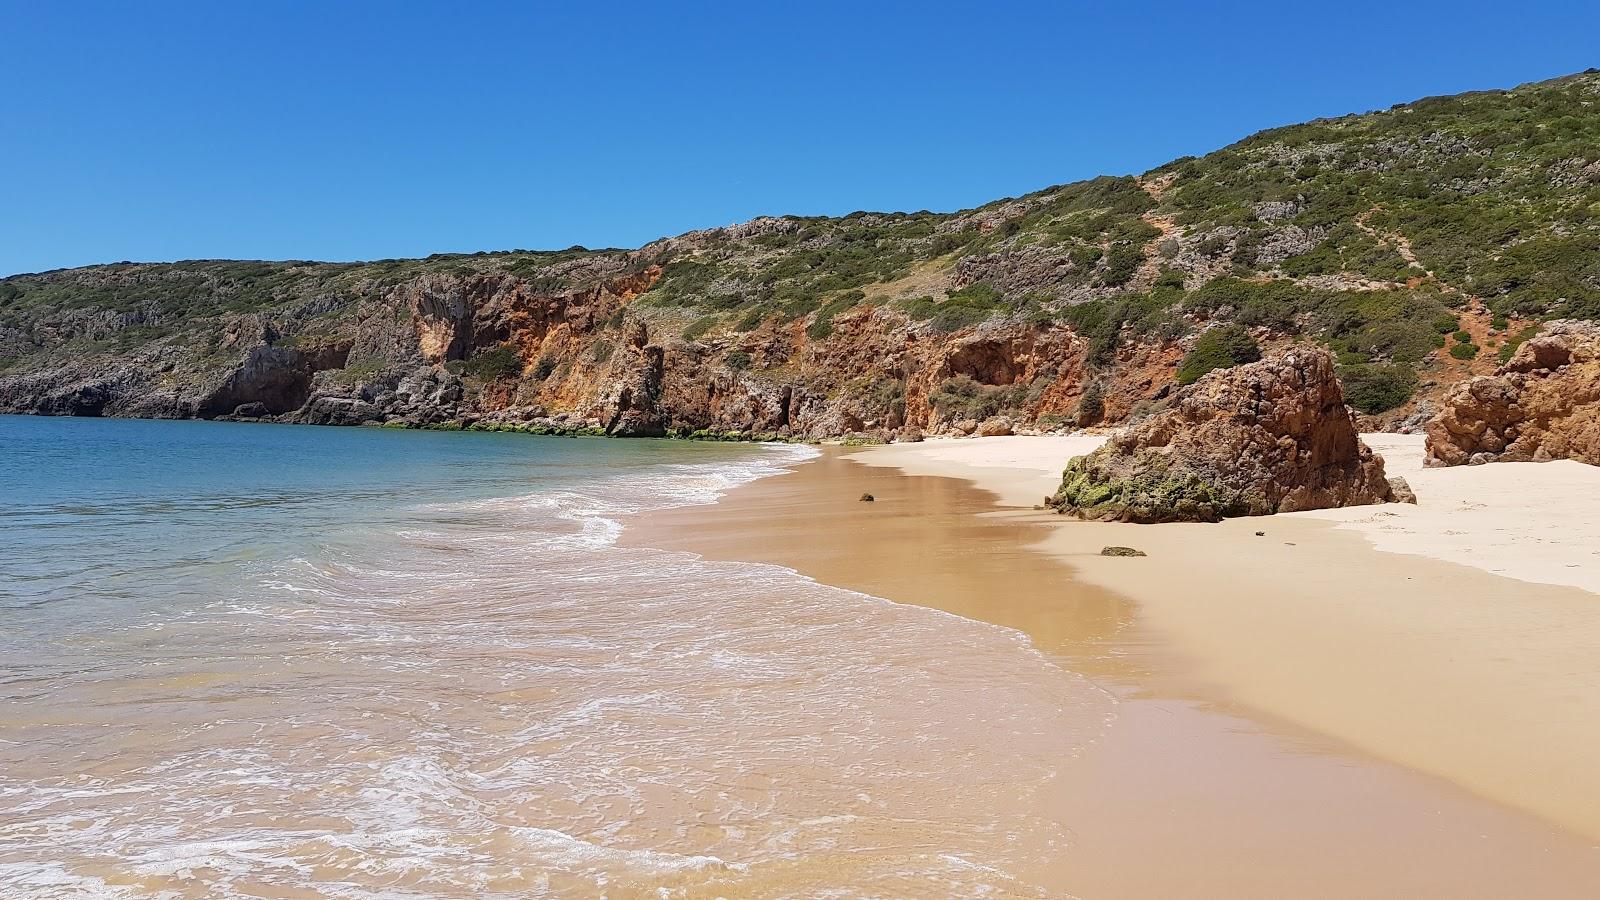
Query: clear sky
{"type": "Point", "coordinates": [355, 130]}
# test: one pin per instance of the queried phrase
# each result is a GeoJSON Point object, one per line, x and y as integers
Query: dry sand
{"type": "Point", "coordinates": [1536, 522]}
{"type": "Point", "coordinates": [1234, 799]}
{"type": "Point", "coordinates": [1467, 651]}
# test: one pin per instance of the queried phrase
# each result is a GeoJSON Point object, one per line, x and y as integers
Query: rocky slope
{"type": "Point", "coordinates": [1417, 243]}
{"type": "Point", "coordinates": [1266, 437]}
{"type": "Point", "coordinates": [1543, 404]}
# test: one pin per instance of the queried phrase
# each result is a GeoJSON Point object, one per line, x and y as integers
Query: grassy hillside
{"type": "Point", "coordinates": [1374, 233]}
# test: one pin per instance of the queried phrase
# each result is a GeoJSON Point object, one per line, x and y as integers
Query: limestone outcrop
{"type": "Point", "coordinates": [1542, 404]}
{"type": "Point", "coordinates": [1267, 437]}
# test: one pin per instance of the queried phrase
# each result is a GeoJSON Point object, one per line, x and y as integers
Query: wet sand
{"type": "Point", "coordinates": [1456, 670]}
{"type": "Point", "coordinates": [1188, 791]}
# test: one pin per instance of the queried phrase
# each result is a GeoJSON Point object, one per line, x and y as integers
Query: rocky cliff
{"type": "Point", "coordinates": [1543, 404]}
{"type": "Point", "coordinates": [1267, 437]}
{"type": "Point", "coordinates": [1417, 243]}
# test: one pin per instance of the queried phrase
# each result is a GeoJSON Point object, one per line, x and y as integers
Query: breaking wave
{"type": "Point", "coordinates": [491, 698]}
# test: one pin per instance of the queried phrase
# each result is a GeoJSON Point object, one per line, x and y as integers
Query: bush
{"type": "Point", "coordinates": [821, 326]}
{"type": "Point", "coordinates": [1464, 351]}
{"type": "Point", "coordinates": [502, 361]}
{"type": "Point", "coordinates": [1376, 388]}
{"type": "Point", "coordinates": [1092, 405]}
{"type": "Point", "coordinates": [1222, 347]}
{"type": "Point", "coordinates": [1102, 322]}
{"type": "Point", "coordinates": [964, 397]}
{"type": "Point", "coordinates": [969, 306]}
{"type": "Point", "coordinates": [752, 319]}
{"type": "Point", "coordinates": [1121, 264]}
{"type": "Point", "coordinates": [698, 328]}
{"type": "Point", "coordinates": [1509, 348]}
{"type": "Point", "coordinates": [1463, 336]}
{"type": "Point", "coordinates": [737, 360]}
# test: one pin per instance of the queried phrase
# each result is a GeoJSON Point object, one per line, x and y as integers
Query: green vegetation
{"type": "Point", "coordinates": [821, 325]}
{"type": "Point", "coordinates": [201, 288]}
{"type": "Point", "coordinates": [360, 371]}
{"type": "Point", "coordinates": [502, 361]}
{"type": "Point", "coordinates": [1222, 347]}
{"type": "Point", "coordinates": [1107, 323]}
{"type": "Point", "coordinates": [1376, 388]}
{"type": "Point", "coordinates": [1092, 405]}
{"type": "Point", "coordinates": [1496, 194]}
{"type": "Point", "coordinates": [699, 327]}
{"type": "Point", "coordinates": [1509, 348]}
{"type": "Point", "coordinates": [1158, 497]}
{"type": "Point", "coordinates": [1400, 324]}
{"type": "Point", "coordinates": [1348, 249]}
{"type": "Point", "coordinates": [963, 309]}
{"type": "Point", "coordinates": [963, 397]}
{"type": "Point", "coordinates": [1484, 186]}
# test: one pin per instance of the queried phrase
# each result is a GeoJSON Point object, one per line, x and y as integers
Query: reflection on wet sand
{"type": "Point", "coordinates": [1231, 803]}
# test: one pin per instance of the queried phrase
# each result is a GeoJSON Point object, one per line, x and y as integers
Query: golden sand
{"type": "Point", "coordinates": [1195, 788]}
{"type": "Point", "coordinates": [1428, 655]}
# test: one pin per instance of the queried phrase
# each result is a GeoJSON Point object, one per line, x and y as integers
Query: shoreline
{"type": "Point", "coordinates": [1183, 754]}
{"type": "Point", "coordinates": [1337, 621]}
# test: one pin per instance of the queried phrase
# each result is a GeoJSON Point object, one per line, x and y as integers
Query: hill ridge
{"type": "Point", "coordinates": [1420, 243]}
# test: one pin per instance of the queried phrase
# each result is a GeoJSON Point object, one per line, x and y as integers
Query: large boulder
{"type": "Point", "coordinates": [1543, 404]}
{"type": "Point", "coordinates": [995, 426]}
{"type": "Point", "coordinates": [1272, 436]}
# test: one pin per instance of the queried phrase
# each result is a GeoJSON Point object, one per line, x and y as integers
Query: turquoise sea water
{"type": "Point", "coordinates": [245, 660]}
{"type": "Point", "coordinates": [123, 518]}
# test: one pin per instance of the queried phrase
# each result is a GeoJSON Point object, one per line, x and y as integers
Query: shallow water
{"type": "Point", "coordinates": [246, 660]}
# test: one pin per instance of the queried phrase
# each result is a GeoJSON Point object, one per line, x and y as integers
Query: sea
{"type": "Point", "coordinates": [244, 660]}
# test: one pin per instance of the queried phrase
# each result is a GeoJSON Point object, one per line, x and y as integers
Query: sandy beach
{"type": "Point", "coordinates": [1455, 637]}
{"type": "Point", "coordinates": [1297, 714]}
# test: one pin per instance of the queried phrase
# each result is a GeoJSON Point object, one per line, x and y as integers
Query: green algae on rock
{"type": "Point", "coordinates": [1271, 436]}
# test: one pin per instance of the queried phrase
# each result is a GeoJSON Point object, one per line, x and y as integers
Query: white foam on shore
{"type": "Point", "coordinates": [498, 701]}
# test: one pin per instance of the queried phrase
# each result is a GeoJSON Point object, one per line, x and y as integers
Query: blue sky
{"type": "Point", "coordinates": [353, 130]}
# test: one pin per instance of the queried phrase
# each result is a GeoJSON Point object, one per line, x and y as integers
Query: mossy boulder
{"type": "Point", "coordinates": [1155, 497]}
{"type": "Point", "coordinates": [1271, 436]}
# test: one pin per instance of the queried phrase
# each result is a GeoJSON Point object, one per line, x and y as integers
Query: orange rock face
{"type": "Point", "coordinates": [1543, 404]}
{"type": "Point", "coordinates": [1271, 436]}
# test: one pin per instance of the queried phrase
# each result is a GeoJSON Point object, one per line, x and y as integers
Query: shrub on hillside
{"type": "Point", "coordinates": [502, 361]}
{"type": "Point", "coordinates": [964, 308]}
{"type": "Point", "coordinates": [1121, 264]}
{"type": "Point", "coordinates": [1509, 348]}
{"type": "Point", "coordinates": [1376, 387]}
{"type": "Point", "coordinates": [1092, 405]}
{"type": "Point", "coordinates": [1222, 347]}
{"type": "Point", "coordinates": [698, 328]}
{"type": "Point", "coordinates": [964, 397]}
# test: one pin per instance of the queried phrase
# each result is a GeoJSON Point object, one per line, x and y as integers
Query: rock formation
{"type": "Point", "coordinates": [1271, 436]}
{"type": "Point", "coordinates": [1069, 306]}
{"type": "Point", "coordinates": [1543, 404]}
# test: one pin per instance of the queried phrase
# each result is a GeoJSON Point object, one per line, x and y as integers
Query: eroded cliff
{"type": "Point", "coordinates": [1418, 244]}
